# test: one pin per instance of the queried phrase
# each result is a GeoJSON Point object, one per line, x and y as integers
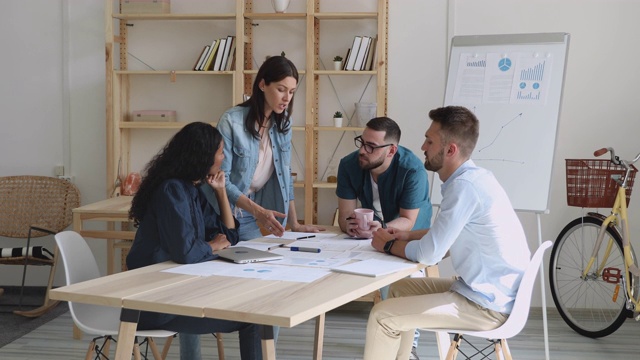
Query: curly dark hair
{"type": "Point", "coordinates": [275, 68]}
{"type": "Point", "coordinates": [188, 156]}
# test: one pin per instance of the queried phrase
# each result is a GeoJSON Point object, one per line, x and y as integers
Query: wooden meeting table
{"type": "Point", "coordinates": [267, 302]}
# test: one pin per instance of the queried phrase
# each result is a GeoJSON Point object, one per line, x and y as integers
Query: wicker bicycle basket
{"type": "Point", "coordinates": [589, 182]}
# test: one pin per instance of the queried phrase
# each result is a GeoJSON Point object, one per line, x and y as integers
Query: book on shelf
{"type": "Point", "coordinates": [212, 53]}
{"type": "Point", "coordinates": [354, 52]}
{"type": "Point", "coordinates": [232, 56]}
{"type": "Point", "coordinates": [346, 57]}
{"type": "Point", "coordinates": [225, 55]}
{"type": "Point", "coordinates": [371, 54]}
{"type": "Point", "coordinates": [220, 54]}
{"type": "Point", "coordinates": [362, 51]}
{"type": "Point", "coordinates": [203, 55]}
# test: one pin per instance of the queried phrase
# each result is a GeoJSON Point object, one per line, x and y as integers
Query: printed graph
{"type": "Point", "coordinates": [477, 63]}
{"type": "Point", "coordinates": [534, 73]}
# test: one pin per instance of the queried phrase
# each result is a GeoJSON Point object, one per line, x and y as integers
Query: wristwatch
{"type": "Point", "coordinates": [388, 245]}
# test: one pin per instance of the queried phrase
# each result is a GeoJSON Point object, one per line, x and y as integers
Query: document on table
{"type": "Point", "coordinates": [262, 271]}
{"type": "Point", "coordinates": [294, 235]}
{"type": "Point", "coordinates": [327, 244]}
{"type": "Point", "coordinates": [323, 259]}
{"type": "Point", "coordinates": [373, 267]}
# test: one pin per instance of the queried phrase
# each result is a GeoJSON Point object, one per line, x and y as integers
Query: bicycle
{"type": "Point", "coordinates": [592, 258]}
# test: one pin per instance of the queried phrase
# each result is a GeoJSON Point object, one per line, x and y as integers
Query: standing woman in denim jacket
{"type": "Point", "coordinates": [257, 150]}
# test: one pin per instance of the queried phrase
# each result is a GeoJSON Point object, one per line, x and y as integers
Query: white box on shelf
{"type": "Point", "coordinates": [145, 6]}
{"type": "Point", "coordinates": [153, 115]}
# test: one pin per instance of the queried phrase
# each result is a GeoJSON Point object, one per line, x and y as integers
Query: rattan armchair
{"type": "Point", "coordinates": [31, 207]}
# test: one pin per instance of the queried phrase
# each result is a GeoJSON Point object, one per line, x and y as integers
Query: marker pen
{"type": "Point", "coordinates": [305, 249]}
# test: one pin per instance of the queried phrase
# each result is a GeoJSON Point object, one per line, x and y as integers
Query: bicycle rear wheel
{"type": "Point", "coordinates": [589, 306]}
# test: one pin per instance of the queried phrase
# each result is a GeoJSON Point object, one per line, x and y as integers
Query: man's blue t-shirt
{"type": "Point", "coordinates": [404, 185]}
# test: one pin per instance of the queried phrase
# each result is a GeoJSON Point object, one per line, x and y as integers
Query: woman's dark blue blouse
{"type": "Point", "coordinates": [177, 225]}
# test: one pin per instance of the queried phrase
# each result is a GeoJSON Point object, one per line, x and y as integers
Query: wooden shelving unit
{"type": "Point", "coordinates": [120, 93]}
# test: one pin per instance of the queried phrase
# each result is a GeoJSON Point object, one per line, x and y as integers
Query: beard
{"type": "Point", "coordinates": [371, 164]}
{"type": "Point", "coordinates": [435, 163]}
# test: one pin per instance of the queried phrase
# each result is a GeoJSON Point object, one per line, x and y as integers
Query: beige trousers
{"type": "Point", "coordinates": [421, 302]}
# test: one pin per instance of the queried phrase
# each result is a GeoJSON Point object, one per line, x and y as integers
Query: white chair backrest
{"type": "Point", "coordinates": [77, 258]}
{"type": "Point", "coordinates": [520, 311]}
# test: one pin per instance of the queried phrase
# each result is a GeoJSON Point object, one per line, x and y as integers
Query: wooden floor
{"type": "Point", "coordinates": [345, 332]}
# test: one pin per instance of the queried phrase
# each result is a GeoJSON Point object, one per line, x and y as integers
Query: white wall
{"type": "Point", "coordinates": [599, 91]}
{"type": "Point", "coordinates": [53, 101]}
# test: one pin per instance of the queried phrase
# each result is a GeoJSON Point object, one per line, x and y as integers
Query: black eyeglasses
{"type": "Point", "coordinates": [367, 147]}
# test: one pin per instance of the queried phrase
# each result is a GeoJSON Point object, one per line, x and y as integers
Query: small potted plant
{"type": "Point", "coordinates": [337, 119]}
{"type": "Point", "coordinates": [337, 63]}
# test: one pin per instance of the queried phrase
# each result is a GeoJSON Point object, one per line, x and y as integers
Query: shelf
{"type": "Point", "coordinates": [155, 124]}
{"type": "Point", "coordinates": [170, 72]}
{"type": "Point", "coordinates": [345, 72]}
{"type": "Point", "coordinates": [255, 71]}
{"type": "Point", "coordinates": [324, 185]}
{"type": "Point", "coordinates": [127, 89]}
{"type": "Point", "coordinates": [346, 15]}
{"type": "Point", "coordinates": [275, 16]}
{"type": "Point", "coordinates": [342, 128]}
{"type": "Point", "coordinates": [229, 16]}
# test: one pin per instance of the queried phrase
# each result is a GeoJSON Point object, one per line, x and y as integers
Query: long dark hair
{"type": "Point", "coordinates": [273, 69]}
{"type": "Point", "coordinates": [187, 156]}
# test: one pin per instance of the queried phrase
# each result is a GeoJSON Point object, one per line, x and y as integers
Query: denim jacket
{"type": "Point", "coordinates": [241, 159]}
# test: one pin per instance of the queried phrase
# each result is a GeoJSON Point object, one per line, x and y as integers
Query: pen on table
{"type": "Point", "coordinates": [305, 249]}
{"type": "Point", "coordinates": [275, 247]}
{"type": "Point", "coordinates": [306, 237]}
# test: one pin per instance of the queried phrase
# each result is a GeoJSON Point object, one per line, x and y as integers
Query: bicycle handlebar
{"type": "Point", "coordinates": [614, 159]}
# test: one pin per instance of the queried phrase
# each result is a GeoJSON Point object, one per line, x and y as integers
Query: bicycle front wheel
{"type": "Point", "coordinates": [590, 306]}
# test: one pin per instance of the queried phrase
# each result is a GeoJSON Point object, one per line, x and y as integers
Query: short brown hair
{"type": "Point", "coordinates": [457, 125]}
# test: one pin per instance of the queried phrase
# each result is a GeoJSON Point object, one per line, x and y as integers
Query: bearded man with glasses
{"type": "Point", "coordinates": [386, 178]}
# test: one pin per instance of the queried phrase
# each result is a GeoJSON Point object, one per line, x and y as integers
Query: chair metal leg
{"type": "Point", "coordinates": [24, 269]}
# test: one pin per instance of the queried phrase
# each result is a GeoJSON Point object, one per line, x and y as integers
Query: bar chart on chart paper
{"type": "Point", "coordinates": [531, 82]}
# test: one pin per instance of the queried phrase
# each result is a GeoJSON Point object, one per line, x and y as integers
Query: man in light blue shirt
{"type": "Point", "coordinates": [477, 227]}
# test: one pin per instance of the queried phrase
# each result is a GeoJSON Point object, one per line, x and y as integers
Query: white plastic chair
{"type": "Point", "coordinates": [514, 324]}
{"type": "Point", "coordinates": [101, 321]}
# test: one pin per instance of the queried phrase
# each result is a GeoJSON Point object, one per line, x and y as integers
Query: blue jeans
{"type": "Point", "coordinates": [248, 230]}
{"type": "Point", "coordinates": [188, 327]}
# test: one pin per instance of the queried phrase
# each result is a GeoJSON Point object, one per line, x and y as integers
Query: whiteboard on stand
{"type": "Point", "coordinates": [513, 84]}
